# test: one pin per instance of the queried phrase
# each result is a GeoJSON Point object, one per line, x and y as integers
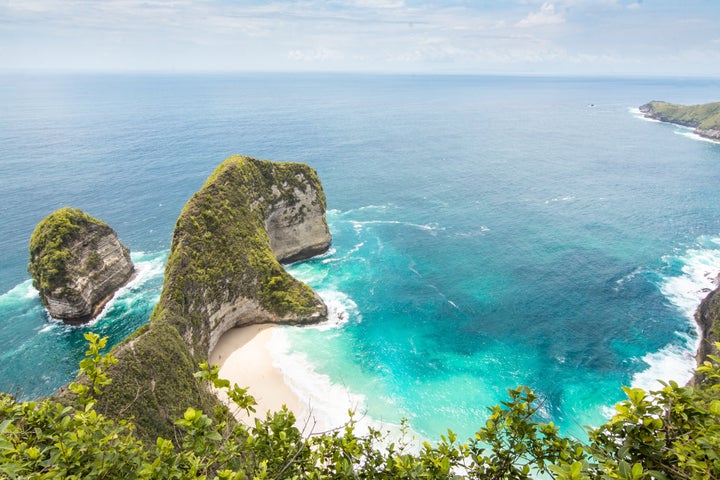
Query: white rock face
{"type": "Point", "coordinates": [299, 230]}
{"type": "Point", "coordinates": [98, 266]}
{"type": "Point", "coordinates": [224, 268]}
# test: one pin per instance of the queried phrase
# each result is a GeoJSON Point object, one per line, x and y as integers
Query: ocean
{"type": "Point", "coordinates": [488, 232]}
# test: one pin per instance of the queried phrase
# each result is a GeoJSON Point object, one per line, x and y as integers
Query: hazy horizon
{"type": "Point", "coordinates": [615, 38]}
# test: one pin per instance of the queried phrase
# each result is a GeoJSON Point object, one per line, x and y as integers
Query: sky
{"type": "Point", "coordinates": [527, 37]}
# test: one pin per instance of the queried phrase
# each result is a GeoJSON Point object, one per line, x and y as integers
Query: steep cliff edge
{"type": "Point", "coordinates": [705, 118]}
{"type": "Point", "coordinates": [708, 319]}
{"type": "Point", "coordinates": [222, 271]}
{"type": "Point", "coordinates": [77, 264]}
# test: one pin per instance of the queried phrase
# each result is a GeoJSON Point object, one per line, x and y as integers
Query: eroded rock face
{"type": "Point", "coordinates": [77, 264]}
{"type": "Point", "coordinates": [707, 317]}
{"type": "Point", "coordinates": [298, 229]}
{"type": "Point", "coordinates": [224, 267]}
{"type": "Point", "coordinates": [222, 272]}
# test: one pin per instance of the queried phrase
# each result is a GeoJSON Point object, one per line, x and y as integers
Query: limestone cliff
{"type": "Point", "coordinates": [77, 264]}
{"type": "Point", "coordinates": [222, 271]}
{"type": "Point", "coordinates": [708, 319]}
{"type": "Point", "coordinates": [296, 225]}
{"type": "Point", "coordinates": [705, 118]}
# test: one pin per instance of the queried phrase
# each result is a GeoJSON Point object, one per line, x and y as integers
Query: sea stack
{"type": "Point", "coordinates": [77, 264]}
{"type": "Point", "coordinates": [224, 269]}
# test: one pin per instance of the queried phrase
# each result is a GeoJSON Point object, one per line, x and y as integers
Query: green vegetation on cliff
{"type": "Point", "coordinates": [707, 317]}
{"type": "Point", "coordinates": [153, 382]}
{"type": "Point", "coordinates": [220, 257]}
{"type": "Point", "coordinates": [49, 252]}
{"type": "Point", "coordinates": [673, 433]}
{"type": "Point", "coordinates": [703, 117]}
{"type": "Point", "coordinates": [221, 251]}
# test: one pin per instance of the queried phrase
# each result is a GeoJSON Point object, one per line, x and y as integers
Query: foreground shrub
{"type": "Point", "coordinates": [673, 433]}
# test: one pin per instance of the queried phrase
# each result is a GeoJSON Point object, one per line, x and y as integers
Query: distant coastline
{"type": "Point", "coordinates": [704, 118]}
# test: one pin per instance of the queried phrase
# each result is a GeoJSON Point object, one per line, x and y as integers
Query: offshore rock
{"type": "Point", "coordinates": [77, 264]}
{"type": "Point", "coordinates": [223, 271]}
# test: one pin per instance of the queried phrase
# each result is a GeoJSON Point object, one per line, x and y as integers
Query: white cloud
{"type": "Point", "coordinates": [546, 16]}
{"type": "Point", "coordinates": [380, 3]}
{"type": "Point", "coordinates": [430, 50]}
{"type": "Point", "coordinates": [320, 54]}
{"type": "Point", "coordinates": [427, 35]}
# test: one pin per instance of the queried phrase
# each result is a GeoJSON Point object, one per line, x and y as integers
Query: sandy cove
{"type": "Point", "coordinates": [244, 359]}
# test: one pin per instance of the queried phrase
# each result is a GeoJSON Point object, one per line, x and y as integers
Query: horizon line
{"type": "Point", "coordinates": [211, 72]}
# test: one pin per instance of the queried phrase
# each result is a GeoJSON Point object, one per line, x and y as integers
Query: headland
{"type": "Point", "coordinates": [704, 118]}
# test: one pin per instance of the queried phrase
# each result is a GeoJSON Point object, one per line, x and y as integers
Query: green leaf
{"type": "Point", "coordinates": [637, 471]}
{"type": "Point", "coordinates": [5, 444]}
{"type": "Point", "coordinates": [189, 414]}
{"type": "Point", "coordinates": [715, 407]}
{"type": "Point", "coordinates": [624, 469]}
{"type": "Point", "coordinates": [4, 425]}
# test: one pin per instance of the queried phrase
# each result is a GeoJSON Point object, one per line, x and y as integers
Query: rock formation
{"type": "Point", "coordinates": [222, 271]}
{"type": "Point", "coordinates": [705, 118]}
{"type": "Point", "coordinates": [708, 319]}
{"type": "Point", "coordinates": [296, 225]}
{"type": "Point", "coordinates": [77, 264]}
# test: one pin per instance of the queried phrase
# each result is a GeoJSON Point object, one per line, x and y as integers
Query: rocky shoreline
{"type": "Point", "coordinates": [704, 119]}
{"type": "Point", "coordinates": [707, 317]}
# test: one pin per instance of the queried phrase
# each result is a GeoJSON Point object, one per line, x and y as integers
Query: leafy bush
{"type": "Point", "coordinates": [673, 433]}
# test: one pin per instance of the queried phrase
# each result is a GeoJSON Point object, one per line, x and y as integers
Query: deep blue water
{"type": "Point", "coordinates": [488, 231]}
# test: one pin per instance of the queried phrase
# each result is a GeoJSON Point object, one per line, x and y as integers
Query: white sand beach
{"type": "Point", "coordinates": [247, 357]}
{"type": "Point", "coordinates": [244, 359]}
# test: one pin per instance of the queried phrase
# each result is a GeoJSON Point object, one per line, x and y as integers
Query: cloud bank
{"type": "Point", "coordinates": [520, 36]}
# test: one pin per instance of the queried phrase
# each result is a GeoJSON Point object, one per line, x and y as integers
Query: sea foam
{"type": "Point", "coordinates": [148, 266]}
{"type": "Point", "coordinates": [638, 114]}
{"type": "Point", "coordinates": [328, 405]}
{"type": "Point", "coordinates": [699, 271]}
{"type": "Point", "coordinates": [690, 133]}
{"type": "Point", "coordinates": [20, 292]}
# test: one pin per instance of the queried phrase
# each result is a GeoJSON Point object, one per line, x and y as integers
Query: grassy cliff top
{"type": "Point", "coordinates": [705, 116]}
{"type": "Point", "coordinates": [221, 251]}
{"type": "Point", "coordinates": [49, 242]}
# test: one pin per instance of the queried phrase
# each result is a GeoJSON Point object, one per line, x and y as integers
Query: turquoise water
{"type": "Point", "coordinates": [487, 231]}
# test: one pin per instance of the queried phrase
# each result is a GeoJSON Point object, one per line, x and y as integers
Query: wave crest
{"type": "Point", "coordinates": [692, 276]}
